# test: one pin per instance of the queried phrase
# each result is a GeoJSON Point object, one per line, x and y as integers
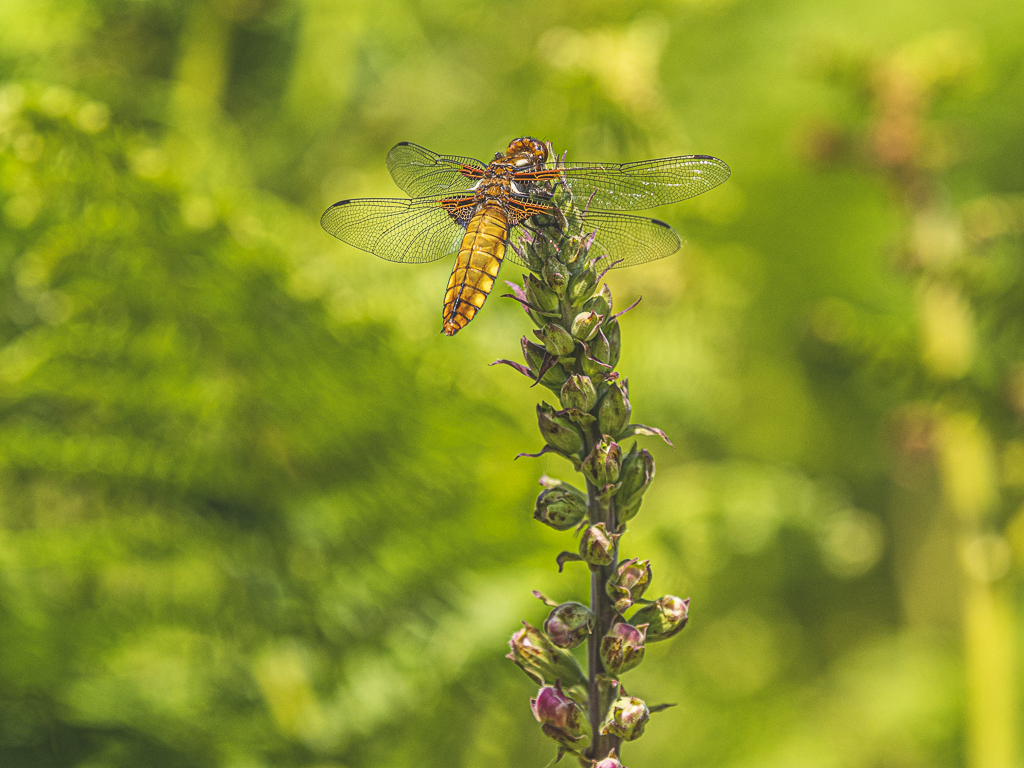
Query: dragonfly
{"type": "Point", "coordinates": [461, 205]}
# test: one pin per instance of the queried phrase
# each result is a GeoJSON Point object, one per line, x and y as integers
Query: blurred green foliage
{"type": "Point", "coordinates": [256, 511]}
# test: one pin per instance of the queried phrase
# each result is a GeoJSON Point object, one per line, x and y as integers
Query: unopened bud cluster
{"type": "Point", "coordinates": [573, 354]}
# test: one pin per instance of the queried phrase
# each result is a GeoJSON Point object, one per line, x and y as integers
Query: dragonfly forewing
{"type": "Point", "coordinates": [420, 173]}
{"type": "Point", "coordinates": [642, 185]}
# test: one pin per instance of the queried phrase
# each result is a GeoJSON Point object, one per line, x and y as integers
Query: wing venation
{"type": "Point", "coordinates": [420, 173]}
{"type": "Point", "coordinates": [620, 240]}
{"type": "Point", "coordinates": [645, 184]}
{"type": "Point", "coordinates": [412, 231]}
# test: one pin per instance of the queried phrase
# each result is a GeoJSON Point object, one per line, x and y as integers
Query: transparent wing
{"type": "Point", "coordinates": [419, 172]}
{"type": "Point", "coordinates": [628, 240]}
{"type": "Point", "coordinates": [646, 184]}
{"type": "Point", "coordinates": [410, 231]}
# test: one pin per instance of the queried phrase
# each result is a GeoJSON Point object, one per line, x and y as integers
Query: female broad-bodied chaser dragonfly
{"type": "Point", "coordinates": [459, 204]}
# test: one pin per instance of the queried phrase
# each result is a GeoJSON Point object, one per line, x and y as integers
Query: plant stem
{"type": "Point", "coordinates": [604, 615]}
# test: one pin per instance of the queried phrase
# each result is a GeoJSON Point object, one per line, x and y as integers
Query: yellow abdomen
{"type": "Point", "coordinates": [476, 267]}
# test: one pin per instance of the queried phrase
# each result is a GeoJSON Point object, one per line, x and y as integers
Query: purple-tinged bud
{"type": "Point", "coordinates": [552, 482]}
{"type": "Point", "coordinates": [561, 718]}
{"type": "Point", "coordinates": [586, 325]}
{"type": "Point", "coordinates": [538, 657]}
{"type": "Point", "coordinates": [603, 464]}
{"type": "Point", "coordinates": [623, 647]}
{"type": "Point", "coordinates": [627, 718]}
{"type": "Point", "coordinates": [556, 339]}
{"type": "Point", "coordinates": [539, 295]}
{"type": "Point", "coordinates": [612, 761]}
{"type": "Point", "coordinates": [569, 624]}
{"type": "Point", "coordinates": [615, 410]}
{"type": "Point", "coordinates": [665, 617]}
{"type": "Point", "coordinates": [597, 546]}
{"type": "Point", "coordinates": [581, 286]}
{"type": "Point", "coordinates": [634, 480]}
{"type": "Point", "coordinates": [554, 276]}
{"type": "Point", "coordinates": [558, 430]}
{"type": "Point", "coordinates": [602, 302]}
{"type": "Point", "coordinates": [560, 508]}
{"type": "Point", "coordinates": [628, 583]}
{"type": "Point", "coordinates": [578, 392]}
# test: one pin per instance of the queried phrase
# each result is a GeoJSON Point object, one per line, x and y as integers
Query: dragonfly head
{"type": "Point", "coordinates": [526, 152]}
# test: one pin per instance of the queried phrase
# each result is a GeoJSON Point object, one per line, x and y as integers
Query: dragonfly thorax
{"type": "Point", "coordinates": [499, 177]}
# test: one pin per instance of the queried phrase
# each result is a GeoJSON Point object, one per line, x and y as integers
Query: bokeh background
{"type": "Point", "coordinates": [256, 511]}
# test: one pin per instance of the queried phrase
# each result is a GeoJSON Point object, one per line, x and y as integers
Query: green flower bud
{"type": "Point", "coordinates": [535, 355]}
{"type": "Point", "coordinates": [628, 583]}
{"type": "Point", "coordinates": [558, 430]}
{"type": "Point", "coordinates": [634, 479]}
{"type": "Point", "coordinates": [554, 276]}
{"type": "Point", "coordinates": [595, 363]}
{"type": "Point", "coordinates": [542, 245]}
{"type": "Point", "coordinates": [611, 330]}
{"type": "Point", "coordinates": [539, 295]}
{"type": "Point", "coordinates": [601, 303]}
{"type": "Point", "coordinates": [561, 508]}
{"type": "Point", "coordinates": [554, 377]}
{"type": "Point", "coordinates": [556, 339]}
{"type": "Point", "coordinates": [623, 647]}
{"type": "Point", "coordinates": [578, 392]}
{"type": "Point", "coordinates": [597, 546]}
{"type": "Point", "coordinates": [581, 286]}
{"type": "Point", "coordinates": [569, 624]}
{"type": "Point", "coordinates": [666, 617]}
{"type": "Point", "coordinates": [613, 416]}
{"type": "Point", "coordinates": [537, 656]}
{"type": "Point", "coordinates": [586, 325]}
{"type": "Point", "coordinates": [599, 348]}
{"type": "Point", "coordinates": [529, 257]}
{"type": "Point", "coordinates": [603, 463]}
{"type": "Point", "coordinates": [626, 512]}
{"type": "Point", "coordinates": [561, 718]}
{"type": "Point", "coordinates": [627, 718]}
{"type": "Point", "coordinates": [573, 249]}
